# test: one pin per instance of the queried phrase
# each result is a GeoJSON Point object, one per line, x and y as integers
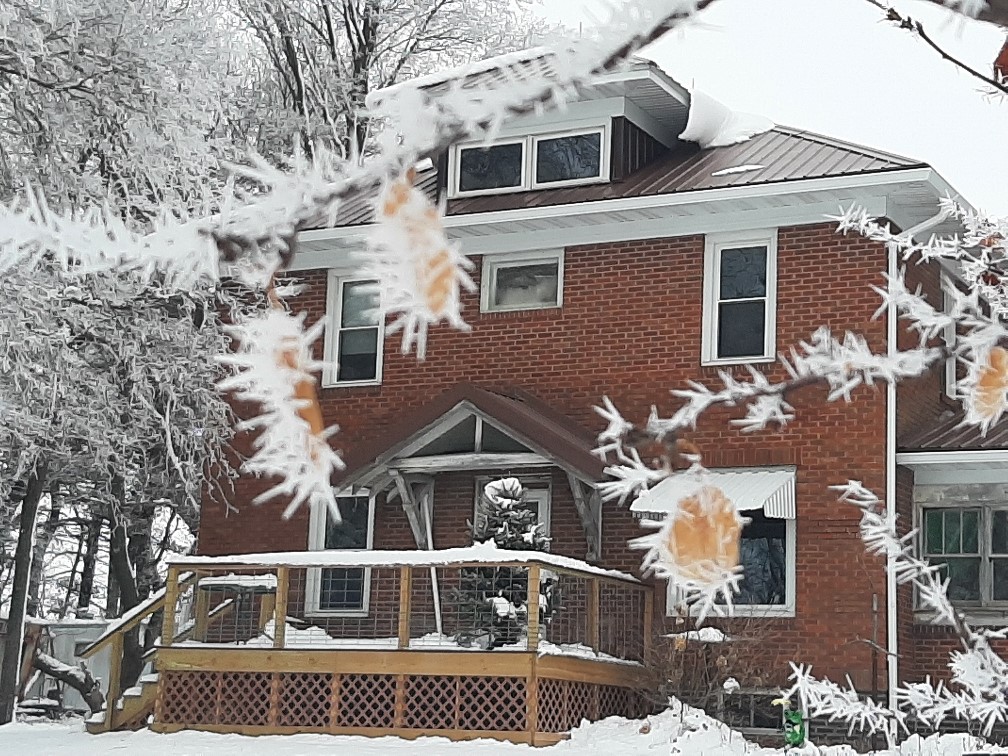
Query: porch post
{"type": "Point", "coordinates": [533, 607]}
{"type": "Point", "coordinates": [171, 599]}
{"type": "Point", "coordinates": [280, 608]}
{"type": "Point", "coordinates": [593, 613]}
{"type": "Point", "coordinates": [405, 591]}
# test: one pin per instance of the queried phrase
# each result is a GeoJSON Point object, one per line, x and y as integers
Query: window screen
{"type": "Point", "coordinates": [524, 286]}
{"type": "Point", "coordinates": [741, 302]}
{"type": "Point", "coordinates": [359, 332]}
{"type": "Point", "coordinates": [495, 167]}
{"type": "Point", "coordinates": [568, 158]}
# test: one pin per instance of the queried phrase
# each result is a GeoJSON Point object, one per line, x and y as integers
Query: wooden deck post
{"type": "Point", "coordinates": [201, 608]}
{"type": "Point", "coordinates": [405, 595]}
{"type": "Point", "coordinates": [533, 607]}
{"type": "Point", "coordinates": [171, 599]}
{"type": "Point", "coordinates": [280, 608]}
{"type": "Point", "coordinates": [114, 675]}
{"type": "Point", "coordinates": [648, 622]}
{"type": "Point", "coordinates": [593, 614]}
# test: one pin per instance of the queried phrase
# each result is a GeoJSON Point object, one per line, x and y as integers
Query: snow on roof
{"type": "Point", "coordinates": [481, 552]}
{"type": "Point", "coordinates": [712, 124]}
{"type": "Point", "coordinates": [856, 78]}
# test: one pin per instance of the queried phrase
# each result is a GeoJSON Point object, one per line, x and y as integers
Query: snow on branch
{"type": "Point", "coordinates": [272, 367]}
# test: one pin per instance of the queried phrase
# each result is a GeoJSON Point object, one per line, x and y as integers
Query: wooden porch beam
{"type": "Point", "coordinates": [470, 461]}
{"type": "Point", "coordinates": [411, 507]}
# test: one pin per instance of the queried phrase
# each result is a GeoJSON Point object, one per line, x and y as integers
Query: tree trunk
{"type": "Point", "coordinates": [10, 670]}
{"type": "Point", "coordinates": [119, 565]}
{"type": "Point", "coordinates": [90, 560]}
{"type": "Point", "coordinates": [78, 678]}
{"type": "Point", "coordinates": [42, 542]}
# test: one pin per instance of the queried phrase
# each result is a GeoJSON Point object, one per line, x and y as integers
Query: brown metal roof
{"type": "Point", "coordinates": [529, 419]}
{"type": "Point", "coordinates": [784, 154]}
{"type": "Point", "coordinates": [953, 434]}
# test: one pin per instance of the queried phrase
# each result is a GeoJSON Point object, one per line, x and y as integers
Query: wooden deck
{"type": "Point", "coordinates": [260, 661]}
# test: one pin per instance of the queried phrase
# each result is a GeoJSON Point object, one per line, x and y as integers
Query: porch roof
{"type": "Point", "coordinates": [528, 420]}
{"type": "Point", "coordinates": [953, 433]}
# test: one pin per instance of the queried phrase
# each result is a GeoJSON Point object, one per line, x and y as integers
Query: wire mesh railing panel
{"type": "Point", "coordinates": [479, 607]}
{"type": "Point", "coordinates": [621, 620]}
{"type": "Point", "coordinates": [565, 621]}
{"type": "Point", "coordinates": [493, 703]}
{"type": "Point", "coordinates": [352, 608]}
{"type": "Point", "coordinates": [306, 699]}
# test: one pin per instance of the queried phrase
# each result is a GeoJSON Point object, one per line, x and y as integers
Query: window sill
{"type": "Point", "coordinates": [750, 611]}
{"type": "Point", "coordinates": [737, 361]}
{"type": "Point", "coordinates": [510, 310]}
{"type": "Point", "coordinates": [975, 617]}
{"type": "Point", "coordinates": [350, 384]}
{"type": "Point", "coordinates": [324, 613]}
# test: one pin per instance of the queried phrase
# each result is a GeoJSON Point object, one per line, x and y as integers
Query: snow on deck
{"type": "Point", "coordinates": [317, 638]}
{"type": "Point", "coordinates": [480, 553]}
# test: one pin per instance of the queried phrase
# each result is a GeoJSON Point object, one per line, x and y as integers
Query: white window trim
{"type": "Point", "coordinates": [488, 281]}
{"type": "Point", "coordinates": [713, 244]}
{"type": "Point", "coordinates": [536, 489]}
{"type": "Point", "coordinates": [529, 144]}
{"type": "Point", "coordinates": [984, 612]}
{"type": "Point", "coordinates": [330, 350]}
{"type": "Point", "coordinates": [674, 597]}
{"type": "Point", "coordinates": [603, 174]}
{"type": "Point", "coordinates": [316, 542]}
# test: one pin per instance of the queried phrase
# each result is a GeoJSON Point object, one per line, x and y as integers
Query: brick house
{"type": "Point", "coordinates": [614, 259]}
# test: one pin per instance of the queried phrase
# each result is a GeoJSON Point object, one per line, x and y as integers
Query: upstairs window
{"type": "Point", "coordinates": [536, 161]}
{"type": "Point", "coordinates": [740, 285]}
{"type": "Point", "coordinates": [528, 282]}
{"type": "Point", "coordinates": [569, 158]}
{"type": "Point", "coordinates": [496, 168]}
{"type": "Point", "coordinates": [355, 332]}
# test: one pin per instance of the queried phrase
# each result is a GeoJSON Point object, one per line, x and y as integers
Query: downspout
{"type": "Point", "coordinates": [892, 318]}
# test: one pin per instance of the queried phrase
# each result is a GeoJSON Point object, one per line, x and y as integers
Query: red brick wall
{"type": "Point", "coordinates": [922, 401]}
{"type": "Point", "coordinates": [630, 328]}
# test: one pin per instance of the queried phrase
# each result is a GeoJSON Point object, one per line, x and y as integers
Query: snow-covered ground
{"type": "Point", "coordinates": [666, 734]}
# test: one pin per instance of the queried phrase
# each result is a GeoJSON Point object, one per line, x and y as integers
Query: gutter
{"type": "Point", "coordinates": [892, 628]}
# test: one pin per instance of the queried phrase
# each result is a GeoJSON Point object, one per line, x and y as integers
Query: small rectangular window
{"type": "Point", "coordinates": [575, 157]}
{"type": "Point", "coordinates": [739, 299]}
{"type": "Point", "coordinates": [522, 284]}
{"type": "Point", "coordinates": [342, 589]}
{"type": "Point", "coordinates": [355, 333]}
{"type": "Point", "coordinates": [500, 166]}
{"type": "Point", "coordinates": [953, 539]}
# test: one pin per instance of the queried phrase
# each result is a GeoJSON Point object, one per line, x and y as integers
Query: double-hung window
{"type": "Point", "coordinates": [341, 591]}
{"type": "Point", "coordinates": [535, 161]}
{"type": "Point", "coordinates": [740, 291]}
{"type": "Point", "coordinates": [971, 546]}
{"type": "Point", "coordinates": [355, 332]}
{"type": "Point", "coordinates": [523, 282]}
{"type": "Point", "coordinates": [537, 499]}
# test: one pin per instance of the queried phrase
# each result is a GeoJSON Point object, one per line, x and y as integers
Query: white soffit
{"type": "Point", "coordinates": [771, 489]}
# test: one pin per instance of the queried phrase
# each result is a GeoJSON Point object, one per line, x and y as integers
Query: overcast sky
{"type": "Point", "coordinates": [832, 66]}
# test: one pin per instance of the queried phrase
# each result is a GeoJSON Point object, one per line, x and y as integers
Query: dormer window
{"type": "Point", "coordinates": [568, 158]}
{"type": "Point", "coordinates": [537, 161]}
{"type": "Point", "coordinates": [500, 167]}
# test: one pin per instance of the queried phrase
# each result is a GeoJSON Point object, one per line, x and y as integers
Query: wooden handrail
{"type": "Point", "coordinates": [135, 616]}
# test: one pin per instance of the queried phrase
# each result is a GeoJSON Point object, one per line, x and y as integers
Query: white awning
{"type": "Point", "coordinates": [771, 489]}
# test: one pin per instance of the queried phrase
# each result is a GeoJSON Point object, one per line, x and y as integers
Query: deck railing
{"type": "Point", "coordinates": [405, 643]}
{"type": "Point", "coordinates": [416, 601]}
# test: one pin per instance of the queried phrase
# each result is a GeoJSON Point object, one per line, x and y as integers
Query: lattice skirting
{"type": "Point", "coordinates": [322, 701]}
